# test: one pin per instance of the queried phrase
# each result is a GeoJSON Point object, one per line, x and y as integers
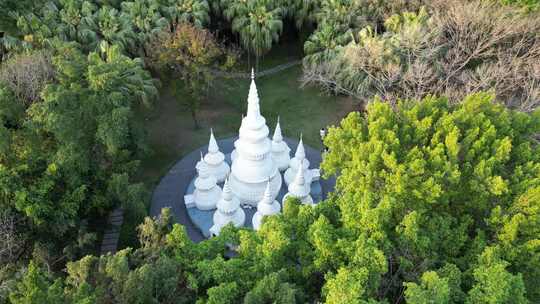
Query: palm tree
{"type": "Point", "coordinates": [304, 11]}
{"type": "Point", "coordinates": [39, 28]}
{"type": "Point", "coordinates": [259, 28]}
{"type": "Point", "coordinates": [325, 41]}
{"type": "Point", "coordinates": [146, 19]}
{"type": "Point", "coordinates": [115, 29]}
{"type": "Point", "coordinates": [234, 9]}
{"type": "Point", "coordinates": [133, 81]}
{"type": "Point", "coordinates": [77, 22]}
{"type": "Point", "coordinates": [342, 12]}
{"type": "Point", "coordinates": [193, 11]}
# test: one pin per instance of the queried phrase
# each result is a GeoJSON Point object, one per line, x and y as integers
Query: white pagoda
{"type": "Point", "coordinates": [228, 211]}
{"type": "Point", "coordinates": [298, 161]}
{"type": "Point", "coordinates": [207, 192]}
{"type": "Point", "coordinates": [280, 149]}
{"type": "Point", "coordinates": [253, 163]}
{"type": "Point", "coordinates": [215, 160]}
{"type": "Point", "coordinates": [266, 207]}
{"type": "Point", "coordinates": [299, 188]}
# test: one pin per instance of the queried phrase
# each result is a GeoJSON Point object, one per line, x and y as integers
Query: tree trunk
{"type": "Point", "coordinates": [256, 63]}
{"type": "Point", "coordinates": [195, 121]}
{"type": "Point", "coordinates": [249, 60]}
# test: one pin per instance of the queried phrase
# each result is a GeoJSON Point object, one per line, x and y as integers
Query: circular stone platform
{"type": "Point", "coordinates": [170, 191]}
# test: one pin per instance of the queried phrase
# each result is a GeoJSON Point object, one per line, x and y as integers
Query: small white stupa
{"type": "Point", "coordinates": [253, 164]}
{"type": "Point", "coordinates": [217, 166]}
{"type": "Point", "coordinates": [300, 189]}
{"type": "Point", "coordinates": [280, 149]}
{"type": "Point", "coordinates": [298, 161]}
{"type": "Point", "coordinates": [228, 211]}
{"type": "Point", "coordinates": [266, 207]}
{"type": "Point", "coordinates": [207, 192]}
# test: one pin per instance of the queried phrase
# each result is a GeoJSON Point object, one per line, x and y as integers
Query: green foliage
{"type": "Point", "coordinates": [338, 19]}
{"type": "Point", "coordinates": [347, 286]}
{"type": "Point", "coordinates": [432, 289]}
{"type": "Point", "coordinates": [421, 181]}
{"type": "Point", "coordinates": [97, 25]}
{"type": "Point", "coordinates": [530, 5]}
{"type": "Point", "coordinates": [413, 55]}
{"type": "Point", "coordinates": [194, 54]}
{"type": "Point", "coordinates": [70, 156]}
{"type": "Point", "coordinates": [36, 287]}
{"type": "Point", "coordinates": [258, 22]}
{"type": "Point", "coordinates": [493, 283]}
{"type": "Point", "coordinates": [434, 203]}
{"type": "Point", "coordinates": [274, 288]}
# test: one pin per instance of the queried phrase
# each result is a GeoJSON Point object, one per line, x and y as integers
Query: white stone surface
{"type": "Point", "coordinates": [299, 188]}
{"type": "Point", "coordinates": [217, 166]}
{"type": "Point", "coordinates": [189, 201]}
{"type": "Point", "coordinates": [228, 211]}
{"type": "Point", "coordinates": [207, 192]}
{"type": "Point", "coordinates": [280, 150]}
{"type": "Point", "coordinates": [266, 207]}
{"type": "Point", "coordinates": [253, 164]}
{"type": "Point", "coordinates": [315, 174]}
{"type": "Point", "coordinates": [298, 161]}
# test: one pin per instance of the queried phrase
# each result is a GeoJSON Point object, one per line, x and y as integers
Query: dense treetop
{"type": "Point", "coordinates": [434, 202]}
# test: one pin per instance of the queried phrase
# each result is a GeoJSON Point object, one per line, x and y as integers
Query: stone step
{"type": "Point", "coordinates": [109, 243]}
{"type": "Point", "coordinates": [114, 235]}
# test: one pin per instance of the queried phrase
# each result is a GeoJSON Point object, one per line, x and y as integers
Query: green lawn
{"type": "Point", "coordinates": [171, 134]}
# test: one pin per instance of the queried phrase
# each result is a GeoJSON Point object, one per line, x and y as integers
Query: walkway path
{"type": "Point", "coordinates": [262, 73]}
{"type": "Point", "coordinates": [246, 75]}
{"type": "Point", "coordinates": [169, 193]}
{"type": "Point", "coordinates": [110, 238]}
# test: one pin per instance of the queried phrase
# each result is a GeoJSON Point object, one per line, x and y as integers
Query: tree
{"type": "Point", "coordinates": [70, 156]}
{"type": "Point", "coordinates": [259, 25]}
{"type": "Point", "coordinates": [27, 74]}
{"type": "Point", "coordinates": [275, 289]}
{"type": "Point", "coordinates": [195, 54]}
{"type": "Point", "coordinates": [35, 287]}
{"type": "Point", "coordinates": [146, 19]}
{"type": "Point", "coordinates": [324, 43]}
{"type": "Point", "coordinates": [493, 283]}
{"type": "Point", "coordinates": [347, 286]}
{"type": "Point", "coordinates": [432, 289]}
{"type": "Point", "coordinates": [186, 11]}
{"type": "Point", "coordinates": [420, 182]}
{"type": "Point", "coordinates": [491, 47]}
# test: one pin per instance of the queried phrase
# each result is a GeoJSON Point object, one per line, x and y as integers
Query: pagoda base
{"type": "Point", "coordinates": [252, 193]}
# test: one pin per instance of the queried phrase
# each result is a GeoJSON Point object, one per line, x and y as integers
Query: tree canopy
{"type": "Point", "coordinates": [434, 203]}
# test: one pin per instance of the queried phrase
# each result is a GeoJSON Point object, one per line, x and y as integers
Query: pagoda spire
{"type": "Point", "coordinates": [277, 133]}
{"type": "Point", "coordinates": [267, 206]}
{"type": "Point", "coordinates": [300, 152]}
{"type": "Point", "coordinates": [280, 149]}
{"type": "Point", "coordinates": [299, 178]}
{"type": "Point", "coordinates": [215, 160]}
{"type": "Point", "coordinates": [267, 196]}
{"type": "Point", "coordinates": [212, 144]}
{"type": "Point", "coordinates": [299, 189]}
{"type": "Point", "coordinates": [299, 161]}
{"type": "Point", "coordinates": [228, 211]}
{"type": "Point", "coordinates": [253, 110]}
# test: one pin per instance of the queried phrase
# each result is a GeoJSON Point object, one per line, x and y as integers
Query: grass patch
{"type": "Point", "coordinates": [171, 134]}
